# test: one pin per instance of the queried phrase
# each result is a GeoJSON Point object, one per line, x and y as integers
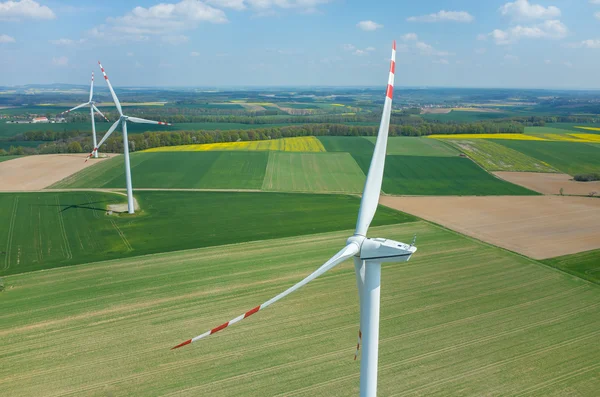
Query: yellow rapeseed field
{"type": "Point", "coordinates": [559, 137]}
{"type": "Point", "coordinates": [521, 137]}
{"type": "Point", "coordinates": [297, 144]}
{"type": "Point", "coordinates": [588, 137]}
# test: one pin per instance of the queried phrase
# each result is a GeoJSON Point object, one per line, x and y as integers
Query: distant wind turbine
{"type": "Point", "coordinates": [123, 119]}
{"type": "Point", "coordinates": [368, 254]}
{"type": "Point", "coordinates": [93, 108]}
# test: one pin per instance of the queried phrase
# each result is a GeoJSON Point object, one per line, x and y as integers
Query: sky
{"type": "Point", "coordinates": [244, 43]}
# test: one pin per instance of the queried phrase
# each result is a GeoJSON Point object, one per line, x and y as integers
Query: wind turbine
{"type": "Point", "coordinates": [368, 254]}
{"type": "Point", "coordinates": [123, 119]}
{"type": "Point", "coordinates": [93, 108]}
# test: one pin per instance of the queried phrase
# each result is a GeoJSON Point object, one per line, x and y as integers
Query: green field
{"type": "Point", "coordinates": [313, 172]}
{"type": "Point", "coordinates": [569, 157]}
{"type": "Point", "coordinates": [572, 127]}
{"type": "Point", "coordinates": [439, 176]}
{"type": "Point", "coordinates": [461, 318]}
{"type": "Point", "coordinates": [465, 116]}
{"type": "Point", "coordinates": [413, 146]}
{"type": "Point", "coordinates": [6, 158]}
{"type": "Point", "coordinates": [349, 144]}
{"type": "Point", "coordinates": [584, 264]}
{"type": "Point", "coordinates": [207, 170]}
{"type": "Point", "coordinates": [495, 157]}
{"type": "Point", "coordinates": [46, 230]}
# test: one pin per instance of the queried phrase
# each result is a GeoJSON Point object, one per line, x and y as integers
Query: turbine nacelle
{"type": "Point", "coordinates": [385, 250]}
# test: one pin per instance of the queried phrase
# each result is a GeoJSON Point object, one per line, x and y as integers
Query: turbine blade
{"type": "Point", "coordinates": [99, 112]}
{"type": "Point", "coordinates": [92, 87]}
{"type": "Point", "coordinates": [144, 121]}
{"type": "Point", "coordinates": [105, 137]}
{"type": "Point", "coordinates": [370, 197]}
{"type": "Point", "coordinates": [76, 107]}
{"type": "Point", "coordinates": [112, 92]}
{"type": "Point", "coordinates": [347, 252]}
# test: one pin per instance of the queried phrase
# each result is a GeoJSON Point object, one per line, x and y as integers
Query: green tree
{"type": "Point", "coordinates": [74, 147]}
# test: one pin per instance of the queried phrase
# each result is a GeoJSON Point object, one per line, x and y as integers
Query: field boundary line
{"type": "Point", "coordinates": [122, 235]}
{"type": "Point", "coordinates": [61, 222]}
{"type": "Point", "coordinates": [11, 227]}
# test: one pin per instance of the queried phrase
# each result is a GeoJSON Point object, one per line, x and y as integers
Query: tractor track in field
{"type": "Point", "coordinates": [557, 380]}
{"type": "Point", "coordinates": [11, 228]}
{"type": "Point", "coordinates": [61, 222]}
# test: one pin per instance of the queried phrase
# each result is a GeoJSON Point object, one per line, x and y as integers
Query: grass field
{"type": "Point", "coordinates": [413, 146]}
{"type": "Point", "coordinates": [297, 144]}
{"type": "Point", "coordinates": [45, 230]}
{"type": "Point", "coordinates": [585, 265]}
{"type": "Point", "coordinates": [569, 157]}
{"type": "Point", "coordinates": [6, 158]}
{"type": "Point", "coordinates": [313, 172]}
{"type": "Point", "coordinates": [464, 116]}
{"type": "Point", "coordinates": [461, 318]}
{"type": "Point", "coordinates": [495, 157]}
{"type": "Point", "coordinates": [352, 145]}
{"type": "Point", "coordinates": [206, 170]}
{"type": "Point", "coordinates": [518, 137]}
{"type": "Point", "coordinates": [574, 127]}
{"type": "Point", "coordinates": [439, 176]}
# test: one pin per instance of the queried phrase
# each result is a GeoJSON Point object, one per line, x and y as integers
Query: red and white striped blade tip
{"type": "Point", "coordinates": [187, 342]}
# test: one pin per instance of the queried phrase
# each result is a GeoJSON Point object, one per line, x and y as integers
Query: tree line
{"type": "Point", "coordinates": [69, 142]}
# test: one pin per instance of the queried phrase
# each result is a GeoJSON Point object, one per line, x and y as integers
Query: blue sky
{"type": "Point", "coordinates": [453, 43]}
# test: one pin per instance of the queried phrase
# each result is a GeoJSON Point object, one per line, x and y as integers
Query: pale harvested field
{"type": "Point", "coordinates": [550, 183]}
{"type": "Point", "coordinates": [540, 227]}
{"type": "Point", "coordinates": [38, 172]}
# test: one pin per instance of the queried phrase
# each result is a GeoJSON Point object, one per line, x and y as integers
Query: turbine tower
{"type": "Point", "coordinates": [368, 254]}
{"type": "Point", "coordinates": [93, 108]}
{"type": "Point", "coordinates": [123, 119]}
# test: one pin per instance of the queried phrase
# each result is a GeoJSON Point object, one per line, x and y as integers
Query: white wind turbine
{"type": "Point", "coordinates": [123, 119]}
{"type": "Point", "coordinates": [368, 254]}
{"type": "Point", "coordinates": [93, 108]}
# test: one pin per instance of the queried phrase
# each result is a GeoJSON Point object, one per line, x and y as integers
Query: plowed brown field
{"type": "Point", "coordinates": [539, 227]}
{"type": "Point", "coordinates": [38, 172]}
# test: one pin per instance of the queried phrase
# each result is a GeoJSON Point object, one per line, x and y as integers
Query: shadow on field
{"type": "Point", "coordinates": [82, 206]}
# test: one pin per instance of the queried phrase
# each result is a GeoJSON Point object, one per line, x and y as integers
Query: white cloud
{"type": "Point", "coordinates": [130, 54]}
{"type": "Point", "coordinates": [410, 37]}
{"type": "Point", "coordinates": [597, 15]}
{"type": "Point", "coordinates": [426, 49]}
{"type": "Point", "coordinates": [369, 26]}
{"type": "Point", "coordinates": [175, 39]}
{"type": "Point", "coordinates": [237, 5]}
{"type": "Point", "coordinates": [454, 16]}
{"type": "Point", "coordinates": [370, 49]}
{"type": "Point", "coordinates": [522, 10]}
{"type": "Point", "coordinates": [589, 43]}
{"type": "Point", "coordinates": [482, 37]}
{"type": "Point", "coordinates": [480, 51]}
{"type": "Point", "coordinates": [548, 62]}
{"type": "Point", "coordinates": [511, 58]}
{"type": "Point", "coordinates": [27, 9]}
{"type": "Point", "coordinates": [60, 61]}
{"type": "Point", "coordinates": [265, 7]}
{"type": "Point", "coordinates": [552, 29]}
{"type": "Point", "coordinates": [594, 1]}
{"type": "Point", "coordinates": [442, 61]}
{"type": "Point", "coordinates": [67, 42]}
{"type": "Point", "coordinates": [360, 52]}
{"type": "Point", "coordinates": [348, 47]}
{"type": "Point", "coordinates": [4, 38]}
{"type": "Point", "coordinates": [194, 54]}
{"type": "Point", "coordinates": [568, 64]}
{"type": "Point", "coordinates": [162, 19]}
